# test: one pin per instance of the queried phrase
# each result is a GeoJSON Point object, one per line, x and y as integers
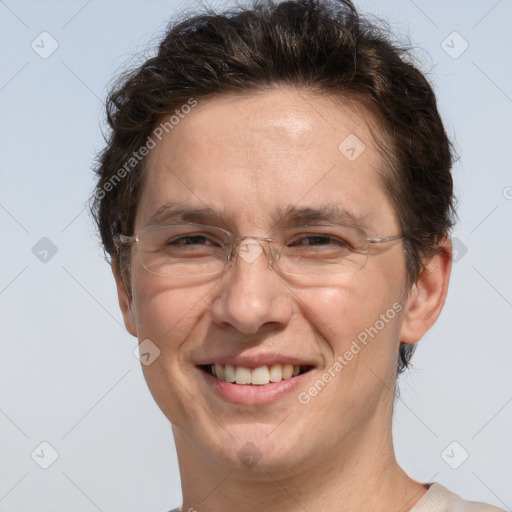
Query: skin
{"type": "Point", "coordinates": [245, 156]}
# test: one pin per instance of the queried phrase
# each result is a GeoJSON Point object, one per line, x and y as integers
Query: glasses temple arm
{"type": "Point", "coordinates": [120, 239]}
{"type": "Point", "coordinates": [386, 239]}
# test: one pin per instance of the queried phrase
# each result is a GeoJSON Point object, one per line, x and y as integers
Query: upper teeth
{"type": "Point", "coordinates": [259, 376]}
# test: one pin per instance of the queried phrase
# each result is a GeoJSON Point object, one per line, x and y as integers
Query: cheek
{"type": "Point", "coordinates": [164, 314]}
{"type": "Point", "coordinates": [341, 313]}
{"type": "Point", "coordinates": [169, 317]}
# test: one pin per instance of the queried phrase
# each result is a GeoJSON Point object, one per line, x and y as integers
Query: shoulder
{"type": "Point", "coordinates": [440, 499]}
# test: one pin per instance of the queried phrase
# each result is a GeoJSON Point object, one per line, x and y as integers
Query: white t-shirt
{"type": "Point", "coordinates": [440, 499]}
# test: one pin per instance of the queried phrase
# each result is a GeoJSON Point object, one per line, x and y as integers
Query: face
{"type": "Point", "coordinates": [249, 159]}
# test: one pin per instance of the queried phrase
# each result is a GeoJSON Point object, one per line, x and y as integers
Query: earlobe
{"type": "Point", "coordinates": [125, 301]}
{"type": "Point", "coordinates": [427, 297]}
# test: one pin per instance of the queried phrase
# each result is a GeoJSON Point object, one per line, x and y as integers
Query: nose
{"type": "Point", "coordinates": [251, 296]}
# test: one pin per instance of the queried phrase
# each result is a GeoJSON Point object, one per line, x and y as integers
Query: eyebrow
{"type": "Point", "coordinates": [174, 211]}
{"type": "Point", "coordinates": [184, 212]}
{"type": "Point", "coordinates": [326, 213]}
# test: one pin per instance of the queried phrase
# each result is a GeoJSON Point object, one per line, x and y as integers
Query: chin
{"type": "Point", "coordinates": [261, 448]}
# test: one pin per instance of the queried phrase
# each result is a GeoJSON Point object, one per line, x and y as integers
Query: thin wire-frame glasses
{"type": "Point", "coordinates": [188, 250]}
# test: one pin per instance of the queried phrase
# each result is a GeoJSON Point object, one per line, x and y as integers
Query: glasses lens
{"type": "Point", "coordinates": [322, 250]}
{"type": "Point", "coordinates": [188, 250]}
{"type": "Point", "coordinates": [183, 249]}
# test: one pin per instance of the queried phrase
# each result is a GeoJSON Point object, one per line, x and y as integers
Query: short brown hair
{"type": "Point", "coordinates": [320, 46]}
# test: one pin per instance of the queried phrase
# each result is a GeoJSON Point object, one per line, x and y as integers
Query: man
{"type": "Point", "coordinates": [276, 200]}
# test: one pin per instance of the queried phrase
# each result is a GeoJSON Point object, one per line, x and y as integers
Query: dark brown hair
{"type": "Point", "coordinates": [320, 46]}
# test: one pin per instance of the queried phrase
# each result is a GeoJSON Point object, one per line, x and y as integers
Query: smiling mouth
{"type": "Point", "coordinates": [255, 376]}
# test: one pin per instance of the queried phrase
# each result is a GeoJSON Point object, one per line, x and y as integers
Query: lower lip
{"type": "Point", "coordinates": [251, 394]}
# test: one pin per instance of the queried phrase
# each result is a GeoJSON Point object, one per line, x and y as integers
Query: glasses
{"type": "Point", "coordinates": [309, 252]}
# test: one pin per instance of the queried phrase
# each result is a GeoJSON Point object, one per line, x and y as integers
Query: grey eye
{"type": "Point", "coordinates": [191, 240]}
{"type": "Point", "coordinates": [319, 240]}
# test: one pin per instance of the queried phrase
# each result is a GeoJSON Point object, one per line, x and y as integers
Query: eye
{"type": "Point", "coordinates": [193, 239]}
{"type": "Point", "coordinates": [319, 240]}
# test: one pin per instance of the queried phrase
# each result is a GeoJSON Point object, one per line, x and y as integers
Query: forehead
{"type": "Point", "coordinates": [250, 156]}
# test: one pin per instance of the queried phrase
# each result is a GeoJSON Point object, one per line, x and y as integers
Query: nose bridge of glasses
{"type": "Point", "coordinates": [249, 248]}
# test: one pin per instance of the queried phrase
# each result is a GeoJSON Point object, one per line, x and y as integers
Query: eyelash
{"type": "Point", "coordinates": [319, 236]}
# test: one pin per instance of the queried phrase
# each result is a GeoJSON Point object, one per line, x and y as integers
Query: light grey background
{"type": "Point", "coordinates": [67, 372]}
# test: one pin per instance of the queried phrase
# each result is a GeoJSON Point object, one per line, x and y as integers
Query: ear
{"type": "Point", "coordinates": [125, 301]}
{"type": "Point", "coordinates": [426, 298]}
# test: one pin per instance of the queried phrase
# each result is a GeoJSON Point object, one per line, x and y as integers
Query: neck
{"type": "Point", "coordinates": [354, 476]}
